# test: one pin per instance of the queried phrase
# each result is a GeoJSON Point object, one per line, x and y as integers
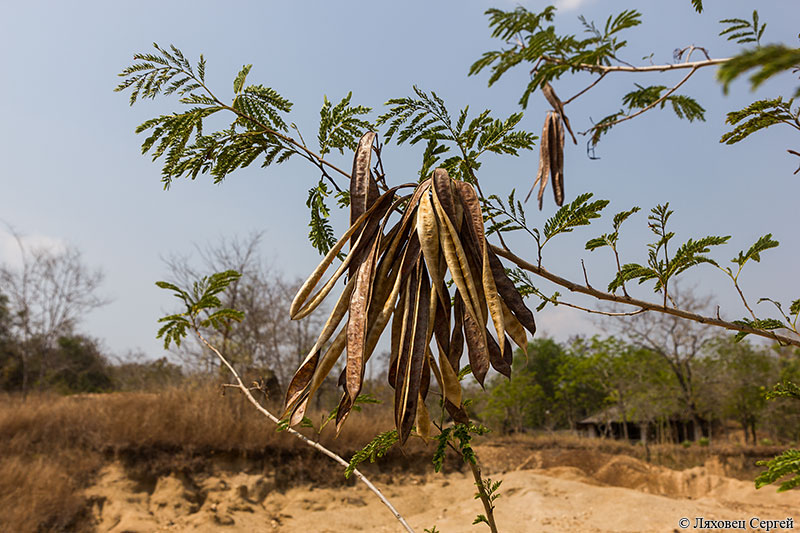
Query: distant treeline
{"type": "Point", "coordinates": [554, 387]}
{"type": "Point", "coordinates": [69, 362]}
{"type": "Point", "coordinates": [558, 385]}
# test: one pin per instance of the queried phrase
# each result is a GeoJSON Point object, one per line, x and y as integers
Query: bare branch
{"type": "Point", "coordinates": [649, 68]}
{"type": "Point", "coordinates": [600, 295]}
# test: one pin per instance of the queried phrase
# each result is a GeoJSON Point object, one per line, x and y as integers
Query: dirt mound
{"type": "Point", "coordinates": [555, 490]}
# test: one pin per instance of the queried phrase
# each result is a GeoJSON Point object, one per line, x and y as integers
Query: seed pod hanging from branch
{"type": "Point", "coordinates": [551, 159]}
{"type": "Point", "coordinates": [399, 271]}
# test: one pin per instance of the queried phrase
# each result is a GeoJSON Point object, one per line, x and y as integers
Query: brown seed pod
{"type": "Point", "coordinates": [551, 159]}
{"type": "Point", "coordinates": [558, 107]}
{"type": "Point", "coordinates": [398, 271]}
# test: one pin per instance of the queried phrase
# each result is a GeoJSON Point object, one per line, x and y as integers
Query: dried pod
{"type": "Point", "coordinates": [551, 159]}
{"type": "Point", "coordinates": [558, 107]}
{"type": "Point", "coordinates": [543, 174]}
{"type": "Point", "coordinates": [557, 159]}
{"type": "Point", "coordinates": [399, 271]}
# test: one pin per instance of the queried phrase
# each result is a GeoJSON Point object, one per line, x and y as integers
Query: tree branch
{"type": "Point", "coordinates": [650, 68]}
{"type": "Point", "coordinates": [600, 295]}
{"type": "Point", "coordinates": [645, 109]}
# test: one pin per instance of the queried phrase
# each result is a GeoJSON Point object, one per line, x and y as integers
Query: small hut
{"type": "Point", "coordinates": [611, 422]}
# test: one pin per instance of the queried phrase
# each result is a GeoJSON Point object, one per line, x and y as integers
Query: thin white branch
{"type": "Point", "coordinates": [648, 68]}
{"type": "Point", "coordinates": [320, 448]}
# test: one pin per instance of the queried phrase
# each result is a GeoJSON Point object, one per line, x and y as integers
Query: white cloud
{"type": "Point", "coordinates": [10, 253]}
{"type": "Point", "coordinates": [570, 5]}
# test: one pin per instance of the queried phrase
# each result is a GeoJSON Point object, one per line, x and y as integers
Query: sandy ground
{"type": "Point", "coordinates": [594, 493]}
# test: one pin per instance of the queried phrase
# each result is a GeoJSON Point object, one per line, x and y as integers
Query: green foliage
{"type": "Point", "coordinates": [339, 125]}
{"type": "Point", "coordinates": [766, 60]}
{"type": "Point", "coordinates": [202, 307]}
{"type": "Point", "coordinates": [787, 389]}
{"type": "Point", "coordinates": [257, 129]}
{"type": "Point", "coordinates": [660, 266]}
{"type": "Point", "coordinates": [155, 74]}
{"type": "Point", "coordinates": [580, 212]}
{"type": "Point", "coordinates": [77, 366]}
{"type": "Point", "coordinates": [603, 126]}
{"type": "Point", "coordinates": [490, 488]}
{"type": "Point", "coordinates": [464, 372]}
{"type": "Point", "coordinates": [533, 39]}
{"type": "Point", "coordinates": [698, 5]}
{"type": "Point", "coordinates": [361, 399]}
{"type": "Point", "coordinates": [754, 252]}
{"type": "Point", "coordinates": [766, 323]}
{"type": "Point", "coordinates": [463, 434]}
{"type": "Point", "coordinates": [514, 405]}
{"type": "Point", "coordinates": [610, 239]}
{"type": "Point", "coordinates": [784, 465]}
{"type": "Point", "coordinates": [743, 31]}
{"type": "Point", "coordinates": [375, 449]}
{"type": "Point", "coordinates": [515, 215]}
{"type": "Point", "coordinates": [760, 115]}
{"type": "Point", "coordinates": [684, 106]}
{"type": "Point", "coordinates": [321, 232]}
{"type": "Point", "coordinates": [426, 118]}
{"type": "Point", "coordinates": [459, 435]}
{"type": "Point", "coordinates": [441, 448]}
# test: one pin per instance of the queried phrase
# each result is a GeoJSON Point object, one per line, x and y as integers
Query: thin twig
{"type": "Point", "coordinates": [600, 295]}
{"type": "Point", "coordinates": [596, 311]}
{"type": "Point", "coordinates": [585, 275]}
{"type": "Point", "coordinates": [645, 109]}
{"type": "Point", "coordinates": [302, 437]}
{"type": "Point", "coordinates": [744, 301]}
{"type": "Point", "coordinates": [595, 82]}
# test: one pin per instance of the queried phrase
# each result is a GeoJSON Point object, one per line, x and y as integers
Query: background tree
{"type": "Point", "coordinates": [266, 343]}
{"type": "Point", "coordinates": [47, 295]}
{"type": "Point", "coordinates": [678, 343]}
{"type": "Point", "coordinates": [744, 372]}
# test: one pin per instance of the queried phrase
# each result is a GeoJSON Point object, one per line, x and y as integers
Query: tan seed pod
{"type": "Point", "coordinates": [558, 107]}
{"type": "Point", "coordinates": [557, 158]}
{"type": "Point", "coordinates": [543, 173]}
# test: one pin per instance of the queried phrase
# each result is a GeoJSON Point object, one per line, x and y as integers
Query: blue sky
{"type": "Point", "coordinates": [72, 171]}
